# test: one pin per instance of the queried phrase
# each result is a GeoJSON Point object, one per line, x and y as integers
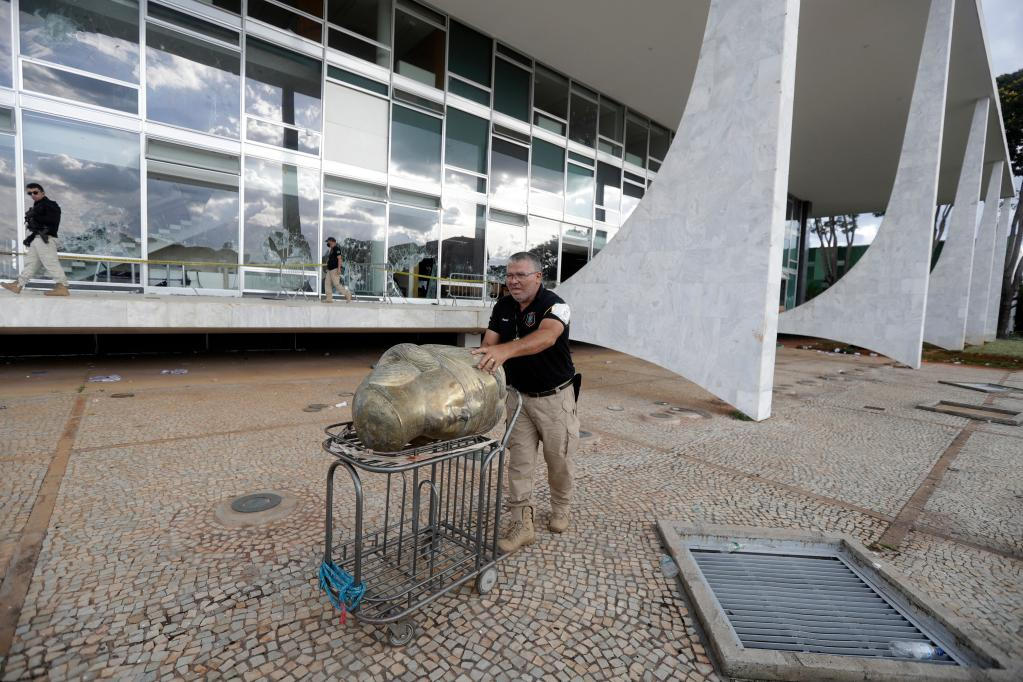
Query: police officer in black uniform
{"type": "Point", "coordinates": [528, 336]}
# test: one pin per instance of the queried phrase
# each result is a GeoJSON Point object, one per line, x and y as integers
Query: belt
{"type": "Point", "coordinates": [544, 394]}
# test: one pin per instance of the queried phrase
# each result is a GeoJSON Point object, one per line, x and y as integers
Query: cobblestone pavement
{"type": "Point", "coordinates": [137, 580]}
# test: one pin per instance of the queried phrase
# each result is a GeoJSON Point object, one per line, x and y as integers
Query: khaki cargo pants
{"type": "Point", "coordinates": [334, 282]}
{"type": "Point", "coordinates": [554, 421]}
{"type": "Point", "coordinates": [45, 256]}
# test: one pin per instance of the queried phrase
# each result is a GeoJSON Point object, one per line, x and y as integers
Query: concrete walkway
{"type": "Point", "coordinates": [115, 565]}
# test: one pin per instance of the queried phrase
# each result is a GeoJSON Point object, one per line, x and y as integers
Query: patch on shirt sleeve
{"type": "Point", "coordinates": [561, 311]}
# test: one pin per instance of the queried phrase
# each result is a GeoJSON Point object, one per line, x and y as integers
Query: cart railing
{"type": "Point", "coordinates": [438, 527]}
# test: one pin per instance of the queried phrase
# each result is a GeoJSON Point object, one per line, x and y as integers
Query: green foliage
{"type": "Point", "coordinates": [1010, 93]}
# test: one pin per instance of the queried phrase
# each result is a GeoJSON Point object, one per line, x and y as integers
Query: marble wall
{"type": "Point", "coordinates": [691, 281]}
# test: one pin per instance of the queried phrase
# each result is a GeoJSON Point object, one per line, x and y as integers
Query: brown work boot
{"type": "Point", "coordinates": [558, 521]}
{"type": "Point", "coordinates": [58, 290]}
{"type": "Point", "coordinates": [519, 532]}
{"type": "Point", "coordinates": [11, 287]}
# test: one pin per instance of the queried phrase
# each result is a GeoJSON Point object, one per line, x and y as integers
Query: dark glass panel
{"type": "Point", "coordinates": [659, 142]}
{"type": "Point", "coordinates": [466, 141]}
{"type": "Point", "coordinates": [550, 92]}
{"type": "Point", "coordinates": [636, 135]}
{"type": "Point", "coordinates": [548, 167]}
{"type": "Point", "coordinates": [612, 120]}
{"type": "Point", "coordinates": [471, 53]}
{"type": "Point", "coordinates": [582, 126]}
{"type": "Point", "coordinates": [418, 50]}
{"type": "Point", "coordinates": [542, 241]}
{"type": "Point", "coordinates": [415, 145]}
{"type": "Point", "coordinates": [609, 184]}
{"type": "Point", "coordinates": [356, 79]}
{"type": "Point", "coordinates": [509, 172]}
{"type": "Point", "coordinates": [579, 197]}
{"type": "Point", "coordinates": [285, 19]}
{"type": "Point", "coordinates": [470, 92]}
{"type": "Point", "coordinates": [511, 90]}
{"type": "Point", "coordinates": [374, 54]}
{"type": "Point", "coordinates": [369, 18]}
{"type": "Point", "coordinates": [191, 23]}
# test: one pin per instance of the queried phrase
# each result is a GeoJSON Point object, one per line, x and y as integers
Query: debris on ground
{"type": "Point", "coordinates": [105, 379]}
{"type": "Point", "coordinates": [174, 371]}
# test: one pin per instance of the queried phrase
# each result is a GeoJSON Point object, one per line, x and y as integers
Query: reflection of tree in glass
{"type": "Point", "coordinates": [547, 253]}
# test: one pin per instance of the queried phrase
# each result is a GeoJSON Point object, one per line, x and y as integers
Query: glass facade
{"type": "Point", "coordinates": [216, 150]}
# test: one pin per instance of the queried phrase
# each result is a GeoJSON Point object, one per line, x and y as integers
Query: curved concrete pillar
{"type": "Point", "coordinates": [998, 270]}
{"type": "Point", "coordinates": [984, 260]}
{"type": "Point", "coordinates": [948, 294]}
{"type": "Point", "coordinates": [691, 281]}
{"type": "Point", "coordinates": [880, 303]}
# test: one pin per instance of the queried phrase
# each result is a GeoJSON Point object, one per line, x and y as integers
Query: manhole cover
{"type": "Point", "coordinates": [250, 504]}
{"type": "Point", "coordinates": [984, 413]}
{"type": "Point", "coordinates": [122, 395]}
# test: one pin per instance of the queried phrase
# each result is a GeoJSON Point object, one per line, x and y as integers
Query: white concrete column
{"type": "Point", "coordinates": [880, 303]}
{"type": "Point", "coordinates": [948, 295]}
{"type": "Point", "coordinates": [984, 260]}
{"type": "Point", "coordinates": [998, 271]}
{"type": "Point", "coordinates": [691, 281]}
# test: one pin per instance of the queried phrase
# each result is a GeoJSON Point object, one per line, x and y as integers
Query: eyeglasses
{"type": "Point", "coordinates": [519, 276]}
{"type": "Point", "coordinates": [33, 192]}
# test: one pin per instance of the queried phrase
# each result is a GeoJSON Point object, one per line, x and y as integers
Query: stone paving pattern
{"type": "Point", "coordinates": [138, 581]}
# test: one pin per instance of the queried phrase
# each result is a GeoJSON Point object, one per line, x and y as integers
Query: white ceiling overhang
{"type": "Point", "coordinates": [854, 78]}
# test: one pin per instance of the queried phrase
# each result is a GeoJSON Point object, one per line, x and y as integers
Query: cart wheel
{"type": "Point", "coordinates": [486, 580]}
{"type": "Point", "coordinates": [400, 634]}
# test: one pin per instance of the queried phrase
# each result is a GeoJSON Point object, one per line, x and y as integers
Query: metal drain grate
{"type": "Point", "coordinates": [812, 604]}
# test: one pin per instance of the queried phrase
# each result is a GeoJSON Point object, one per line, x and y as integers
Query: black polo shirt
{"type": "Point", "coordinates": [541, 371]}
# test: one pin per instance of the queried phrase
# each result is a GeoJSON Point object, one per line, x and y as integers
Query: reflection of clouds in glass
{"type": "Point", "coordinates": [183, 213]}
{"type": "Point", "coordinates": [411, 225]}
{"type": "Point", "coordinates": [75, 86]}
{"type": "Point", "coordinates": [508, 188]}
{"type": "Point", "coordinates": [82, 168]}
{"type": "Point", "coordinates": [267, 101]}
{"type": "Point", "coordinates": [193, 95]}
{"type": "Point", "coordinates": [100, 38]}
{"type": "Point", "coordinates": [5, 44]}
{"type": "Point", "coordinates": [281, 203]}
{"type": "Point", "coordinates": [347, 217]}
{"type": "Point", "coordinates": [502, 241]}
{"type": "Point", "coordinates": [8, 191]}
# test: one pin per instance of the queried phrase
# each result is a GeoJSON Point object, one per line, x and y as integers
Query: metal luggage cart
{"type": "Point", "coordinates": [437, 528]}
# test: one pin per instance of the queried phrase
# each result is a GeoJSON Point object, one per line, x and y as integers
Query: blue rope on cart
{"type": "Point", "coordinates": [340, 587]}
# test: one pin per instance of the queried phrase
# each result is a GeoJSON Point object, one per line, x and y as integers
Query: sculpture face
{"type": "Point", "coordinates": [429, 392]}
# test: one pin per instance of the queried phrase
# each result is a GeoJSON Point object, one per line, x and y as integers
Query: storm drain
{"type": "Point", "coordinates": [810, 604]}
{"type": "Point", "coordinates": [984, 413]}
{"type": "Point", "coordinates": [984, 387]}
{"type": "Point", "coordinates": [787, 604]}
